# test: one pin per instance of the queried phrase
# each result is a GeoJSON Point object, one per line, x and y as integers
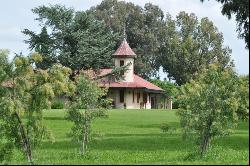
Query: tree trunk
{"type": "Point", "coordinates": [25, 139]}
{"type": "Point", "coordinates": [84, 139]}
{"type": "Point", "coordinates": [84, 134]}
{"type": "Point", "coordinates": [205, 145]}
{"type": "Point", "coordinates": [83, 143]}
{"type": "Point", "coordinates": [206, 139]}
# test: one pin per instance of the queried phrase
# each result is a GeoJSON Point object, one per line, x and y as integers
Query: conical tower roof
{"type": "Point", "coordinates": [124, 50]}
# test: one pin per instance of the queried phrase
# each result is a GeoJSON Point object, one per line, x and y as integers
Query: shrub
{"type": "Point", "coordinates": [57, 104]}
{"type": "Point", "coordinates": [165, 127]}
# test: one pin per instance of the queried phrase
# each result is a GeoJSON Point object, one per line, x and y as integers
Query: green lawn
{"type": "Point", "coordinates": [134, 137]}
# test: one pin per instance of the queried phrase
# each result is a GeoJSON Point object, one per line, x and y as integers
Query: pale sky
{"type": "Point", "coordinates": [16, 15]}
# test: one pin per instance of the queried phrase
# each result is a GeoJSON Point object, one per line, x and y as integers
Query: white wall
{"type": "Point", "coordinates": [128, 99]}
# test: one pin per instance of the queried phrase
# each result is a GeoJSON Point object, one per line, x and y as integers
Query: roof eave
{"type": "Point", "coordinates": [124, 56]}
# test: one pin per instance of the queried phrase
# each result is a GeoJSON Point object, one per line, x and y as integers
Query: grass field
{"type": "Point", "coordinates": [134, 137]}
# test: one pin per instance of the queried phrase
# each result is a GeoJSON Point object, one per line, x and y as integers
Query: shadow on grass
{"type": "Point", "coordinates": [54, 118]}
{"type": "Point", "coordinates": [160, 135]}
{"type": "Point", "coordinates": [129, 142]}
{"type": "Point", "coordinates": [63, 145]}
{"type": "Point", "coordinates": [171, 124]}
{"type": "Point", "coordinates": [148, 142]}
{"type": "Point", "coordinates": [235, 142]}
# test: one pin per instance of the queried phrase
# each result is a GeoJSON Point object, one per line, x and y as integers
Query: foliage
{"type": "Point", "coordinates": [169, 87]}
{"type": "Point", "coordinates": [57, 104]}
{"type": "Point", "coordinates": [209, 105]}
{"type": "Point", "coordinates": [133, 137]}
{"type": "Point", "coordinates": [243, 111]}
{"type": "Point", "coordinates": [88, 104]}
{"type": "Point", "coordinates": [117, 73]}
{"type": "Point", "coordinates": [142, 25]}
{"type": "Point", "coordinates": [76, 40]}
{"type": "Point", "coordinates": [42, 43]}
{"type": "Point", "coordinates": [241, 11]}
{"type": "Point", "coordinates": [165, 127]}
{"type": "Point", "coordinates": [182, 46]}
{"type": "Point", "coordinates": [171, 90]}
{"type": "Point", "coordinates": [190, 45]}
{"type": "Point", "coordinates": [25, 92]}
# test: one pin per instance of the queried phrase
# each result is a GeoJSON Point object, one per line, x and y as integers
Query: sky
{"type": "Point", "coordinates": [16, 15]}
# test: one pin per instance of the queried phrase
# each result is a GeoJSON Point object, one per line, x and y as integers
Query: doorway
{"type": "Point", "coordinates": [152, 102]}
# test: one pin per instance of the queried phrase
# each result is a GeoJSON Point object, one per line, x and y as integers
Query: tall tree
{"type": "Point", "coordinates": [143, 27]}
{"type": "Point", "coordinates": [24, 93]}
{"type": "Point", "coordinates": [43, 44]}
{"type": "Point", "coordinates": [189, 45]}
{"type": "Point", "coordinates": [241, 10]}
{"type": "Point", "coordinates": [209, 105]}
{"type": "Point", "coordinates": [76, 40]}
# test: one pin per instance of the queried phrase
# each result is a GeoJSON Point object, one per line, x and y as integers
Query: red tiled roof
{"type": "Point", "coordinates": [104, 72]}
{"type": "Point", "coordinates": [124, 50]}
{"type": "Point", "coordinates": [137, 83]}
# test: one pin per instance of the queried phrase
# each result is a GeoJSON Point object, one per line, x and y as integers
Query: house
{"type": "Point", "coordinates": [133, 92]}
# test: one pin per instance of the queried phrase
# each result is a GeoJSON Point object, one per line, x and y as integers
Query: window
{"type": "Point", "coordinates": [121, 96]}
{"type": "Point", "coordinates": [121, 63]}
{"type": "Point", "coordinates": [138, 97]}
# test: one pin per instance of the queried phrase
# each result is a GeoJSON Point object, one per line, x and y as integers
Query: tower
{"type": "Point", "coordinates": [123, 56]}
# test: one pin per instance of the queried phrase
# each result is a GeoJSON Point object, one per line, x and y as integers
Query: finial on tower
{"type": "Point", "coordinates": [124, 32]}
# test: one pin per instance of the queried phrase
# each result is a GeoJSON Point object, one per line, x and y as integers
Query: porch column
{"type": "Point", "coordinates": [169, 102]}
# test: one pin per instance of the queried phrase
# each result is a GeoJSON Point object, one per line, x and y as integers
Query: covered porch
{"type": "Point", "coordinates": [138, 98]}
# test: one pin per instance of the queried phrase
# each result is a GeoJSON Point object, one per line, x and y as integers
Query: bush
{"type": "Point", "coordinates": [57, 104]}
{"type": "Point", "coordinates": [165, 127]}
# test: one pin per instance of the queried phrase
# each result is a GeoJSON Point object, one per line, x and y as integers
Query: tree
{"type": "Point", "coordinates": [88, 104]}
{"type": "Point", "coordinates": [171, 90]}
{"type": "Point", "coordinates": [76, 40]}
{"type": "Point", "coordinates": [165, 85]}
{"type": "Point", "coordinates": [241, 11]}
{"type": "Point", "coordinates": [243, 111]}
{"type": "Point", "coordinates": [24, 93]}
{"type": "Point", "coordinates": [189, 45]}
{"type": "Point", "coordinates": [43, 44]}
{"type": "Point", "coordinates": [209, 105]}
{"type": "Point", "coordinates": [143, 26]}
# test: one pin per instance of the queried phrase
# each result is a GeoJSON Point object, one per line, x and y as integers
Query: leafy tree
{"type": "Point", "coordinates": [76, 40]}
{"type": "Point", "coordinates": [182, 46]}
{"type": "Point", "coordinates": [24, 92]}
{"type": "Point", "coordinates": [243, 111]}
{"type": "Point", "coordinates": [209, 105]}
{"type": "Point", "coordinates": [169, 87]}
{"type": "Point", "coordinates": [189, 45]}
{"type": "Point", "coordinates": [143, 27]}
{"type": "Point", "coordinates": [171, 90]}
{"type": "Point", "coordinates": [43, 44]}
{"type": "Point", "coordinates": [87, 105]}
{"type": "Point", "coordinates": [241, 10]}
